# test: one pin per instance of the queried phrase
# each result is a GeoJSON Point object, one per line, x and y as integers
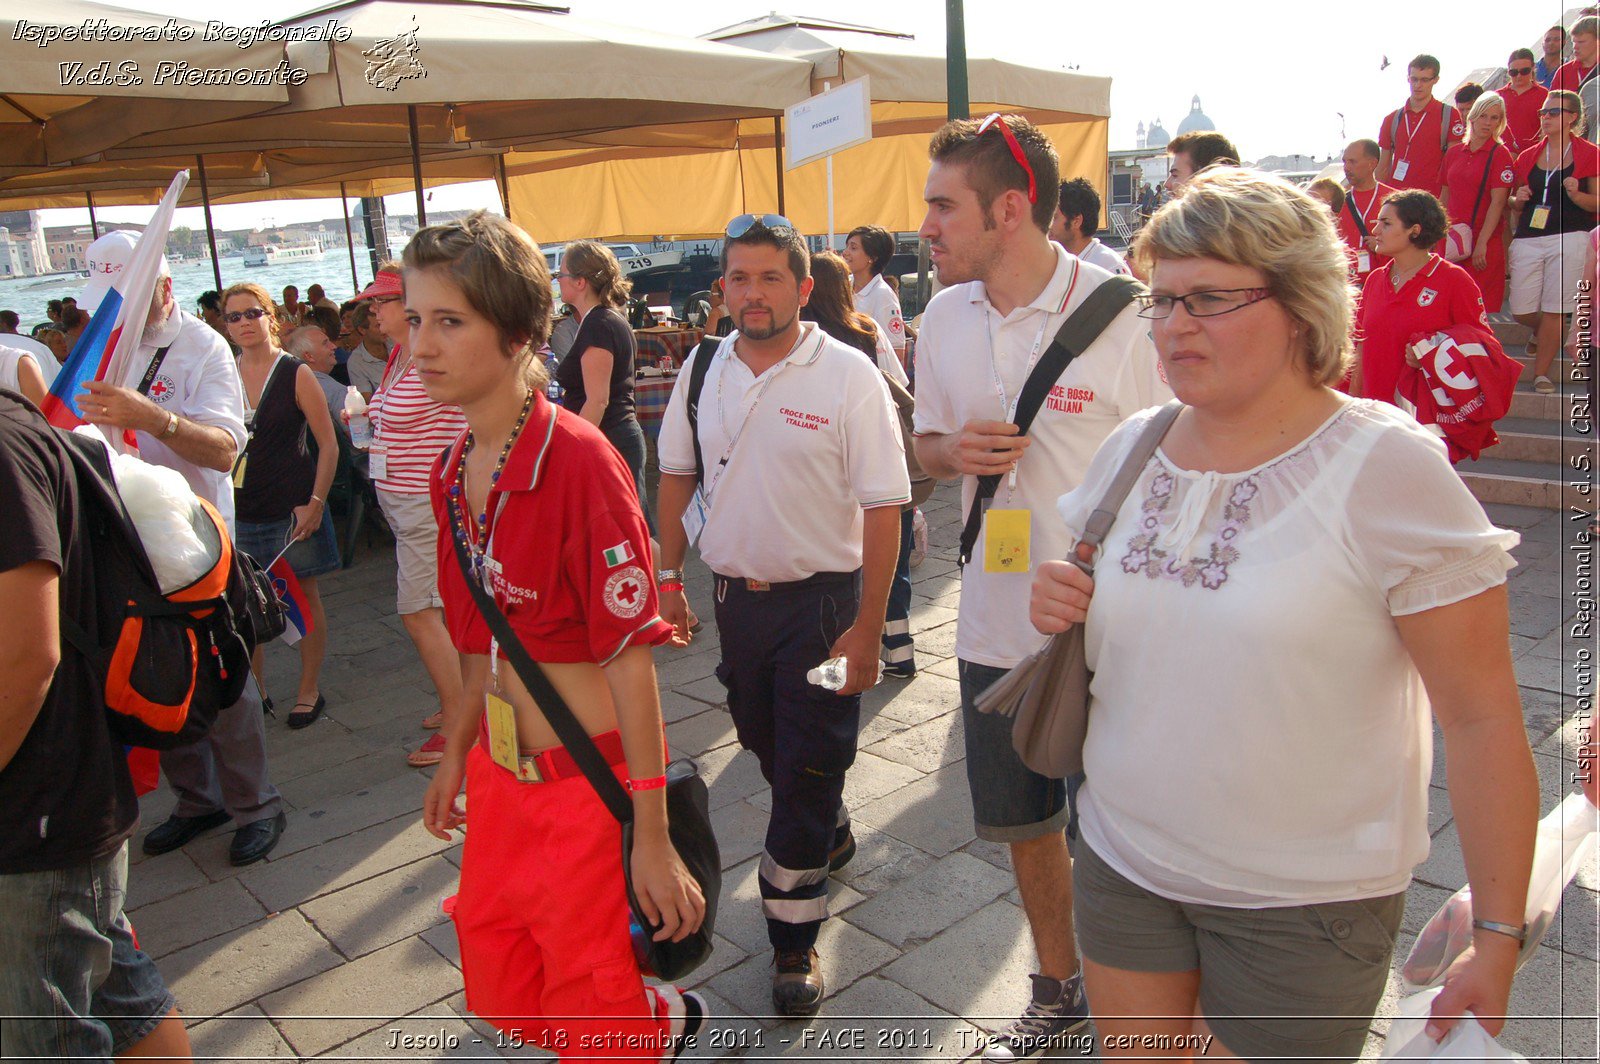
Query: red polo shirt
{"type": "Point", "coordinates": [1570, 76]}
{"type": "Point", "coordinates": [1367, 204]}
{"type": "Point", "coordinates": [569, 552]}
{"type": "Point", "coordinates": [1522, 117]}
{"type": "Point", "coordinates": [1413, 137]}
{"type": "Point", "coordinates": [1440, 295]}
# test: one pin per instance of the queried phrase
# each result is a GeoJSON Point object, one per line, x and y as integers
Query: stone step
{"type": "Point", "coordinates": [1544, 485]}
{"type": "Point", "coordinates": [1560, 370]}
{"type": "Point", "coordinates": [1511, 332]}
{"type": "Point", "coordinates": [1527, 403]}
{"type": "Point", "coordinates": [1533, 440]}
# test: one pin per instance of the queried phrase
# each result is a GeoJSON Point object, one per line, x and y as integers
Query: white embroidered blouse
{"type": "Point", "coordinates": [1258, 735]}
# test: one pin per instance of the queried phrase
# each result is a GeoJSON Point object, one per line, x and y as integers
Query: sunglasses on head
{"type": "Point", "coordinates": [236, 316]}
{"type": "Point", "coordinates": [746, 222]}
{"type": "Point", "coordinates": [998, 121]}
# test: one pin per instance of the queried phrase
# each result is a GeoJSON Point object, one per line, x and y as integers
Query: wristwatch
{"type": "Point", "coordinates": [669, 576]}
{"type": "Point", "coordinates": [172, 427]}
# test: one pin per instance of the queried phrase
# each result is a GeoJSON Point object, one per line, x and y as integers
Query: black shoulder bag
{"type": "Point", "coordinates": [703, 353]}
{"type": "Point", "coordinates": [688, 812]}
{"type": "Point", "coordinates": [1080, 330]}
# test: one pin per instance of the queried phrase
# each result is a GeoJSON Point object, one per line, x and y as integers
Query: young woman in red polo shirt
{"type": "Point", "coordinates": [1415, 294]}
{"type": "Point", "coordinates": [552, 523]}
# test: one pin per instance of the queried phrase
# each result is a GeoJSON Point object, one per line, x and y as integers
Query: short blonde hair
{"type": "Point", "coordinates": [1479, 106]}
{"type": "Point", "coordinates": [259, 294]}
{"type": "Point", "coordinates": [1249, 218]}
{"type": "Point", "coordinates": [1565, 97]}
{"type": "Point", "coordinates": [1327, 186]}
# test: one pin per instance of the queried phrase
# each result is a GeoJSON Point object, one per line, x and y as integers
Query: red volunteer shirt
{"type": "Point", "coordinates": [569, 552]}
{"type": "Point", "coordinates": [1413, 136]}
{"type": "Point", "coordinates": [1440, 295]}
{"type": "Point", "coordinates": [1522, 117]}
{"type": "Point", "coordinates": [1570, 76]}
{"type": "Point", "coordinates": [1464, 173]}
{"type": "Point", "coordinates": [1367, 204]}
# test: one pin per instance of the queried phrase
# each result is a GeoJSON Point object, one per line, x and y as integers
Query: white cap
{"type": "Point", "coordinates": [107, 257]}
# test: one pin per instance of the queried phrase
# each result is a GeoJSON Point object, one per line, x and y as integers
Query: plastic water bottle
{"type": "Point", "coordinates": [831, 674]}
{"type": "Point", "coordinates": [552, 391]}
{"type": "Point", "coordinates": [355, 411]}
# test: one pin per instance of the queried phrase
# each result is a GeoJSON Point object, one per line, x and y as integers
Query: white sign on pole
{"type": "Point", "coordinates": [831, 122]}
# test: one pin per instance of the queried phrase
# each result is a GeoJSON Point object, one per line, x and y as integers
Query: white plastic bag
{"type": "Point", "coordinates": [167, 515]}
{"type": "Point", "coordinates": [1467, 1040]}
{"type": "Point", "coordinates": [1566, 837]}
{"type": "Point", "coordinates": [919, 538]}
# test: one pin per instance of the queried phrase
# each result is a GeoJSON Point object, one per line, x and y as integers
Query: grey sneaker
{"type": "Point", "coordinates": [1057, 1010]}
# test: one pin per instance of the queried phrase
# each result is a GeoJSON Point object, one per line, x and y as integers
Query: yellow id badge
{"type": "Point", "coordinates": [503, 733]}
{"type": "Point", "coordinates": [1007, 540]}
{"type": "Point", "coordinates": [1540, 218]}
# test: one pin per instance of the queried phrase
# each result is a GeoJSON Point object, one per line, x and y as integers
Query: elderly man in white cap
{"type": "Point", "coordinates": [188, 412]}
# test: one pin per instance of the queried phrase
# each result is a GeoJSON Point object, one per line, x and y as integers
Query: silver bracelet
{"type": "Point", "coordinates": [1508, 930]}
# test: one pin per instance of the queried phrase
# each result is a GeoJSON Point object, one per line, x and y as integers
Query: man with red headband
{"type": "Point", "coordinates": [991, 195]}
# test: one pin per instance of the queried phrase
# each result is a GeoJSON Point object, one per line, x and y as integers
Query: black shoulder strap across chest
{"type": "Point", "coordinates": [703, 353]}
{"type": "Point", "coordinates": [1355, 212]}
{"type": "Point", "coordinates": [1081, 329]}
{"type": "Point", "coordinates": [149, 379]}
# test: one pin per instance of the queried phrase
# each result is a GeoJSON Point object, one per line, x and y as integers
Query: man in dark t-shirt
{"type": "Point", "coordinates": [72, 983]}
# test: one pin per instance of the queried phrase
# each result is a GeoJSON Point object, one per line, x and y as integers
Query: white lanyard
{"type": "Point", "coordinates": [1009, 406]}
{"type": "Point", "coordinates": [1551, 176]}
{"type": "Point", "coordinates": [722, 418]}
{"type": "Point", "coordinates": [1411, 130]}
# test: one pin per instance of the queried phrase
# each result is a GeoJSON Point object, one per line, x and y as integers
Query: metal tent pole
{"type": "Point", "coordinates": [211, 232]}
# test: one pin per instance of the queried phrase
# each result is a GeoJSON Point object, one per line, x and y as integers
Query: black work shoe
{"type": "Point", "coordinates": [686, 1015]}
{"type": "Point", "coordinates": [255, 840]}
{"type": "Point", "coordinates": [797, 984]}
{"type": "Point", "coordinates": [842, 852]}
{"type": "Point", "coordinates": [177, 830]}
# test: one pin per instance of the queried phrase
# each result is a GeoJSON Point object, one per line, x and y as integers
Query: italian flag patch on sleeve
{"type": "Point", "coordinates": [618, 555]}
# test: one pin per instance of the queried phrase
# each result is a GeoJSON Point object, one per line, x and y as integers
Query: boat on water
{"type": "Point", "coordinates": [273, 254]}
{"type": "Point", "coordinates": [629, 257]}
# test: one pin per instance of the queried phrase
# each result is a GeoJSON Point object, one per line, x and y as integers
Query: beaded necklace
{"type": "Point", "coordinates": [478, 546]}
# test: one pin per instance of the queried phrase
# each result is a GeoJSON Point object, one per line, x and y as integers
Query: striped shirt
{"type": "Point", "coordinates": [411, 428]}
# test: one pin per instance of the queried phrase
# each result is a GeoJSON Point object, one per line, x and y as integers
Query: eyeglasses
{"type": "Point", "coordinates": [564, 276]}
{"type": "Point", "coordinates": [1519, 72]}
{"type": "Point", "coordinates": [1201, 304]}
{"type": "Point", "coordinates": [1557, 111]}
{"type": "Point", "coordinates": [235, 317]}
{"type": "Point", "coordinates": [378, 301]}
{"type": "Point", "coordinates": [746, 222]}
{"type": "Point", "coordinates": [1417, 80]}
{"type": "Point", "coordinates": [996, 120]}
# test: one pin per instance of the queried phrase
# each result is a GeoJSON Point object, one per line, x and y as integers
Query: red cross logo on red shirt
{"type": "Point", "coordinates": [624, 592]}
{"type": "Point", "coordinates": [628, 592]}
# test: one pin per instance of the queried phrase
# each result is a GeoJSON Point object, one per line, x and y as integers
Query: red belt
{"type": "Point", "coordinates": [548, 766]}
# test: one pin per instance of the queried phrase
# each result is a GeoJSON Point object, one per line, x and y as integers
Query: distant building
{"type": "Point", "coordinates": [1196, 121]}
{"type": "Point", "coordinates": [67, 246]}
{"type": "Point", "coordinates": [23, 252]}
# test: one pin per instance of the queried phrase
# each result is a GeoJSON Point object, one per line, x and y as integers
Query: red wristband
{"type": "Point", "coordinates": [669, 586]}
{"type": "Point", "coordinates": [654, 783]}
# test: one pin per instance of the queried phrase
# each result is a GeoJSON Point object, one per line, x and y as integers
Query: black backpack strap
{"type": "Point", "coordinates": [1080, 330]}
{"type": "Point", "coordinates": [703, 353]}
{"type": "Point", "coordinates": [551, 704]}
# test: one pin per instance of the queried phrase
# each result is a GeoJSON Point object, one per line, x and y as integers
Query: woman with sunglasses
{"type": "Point", "coordinates": [409, 430]}
{"type": "Point", "coordinates": [596, 377]}
{"type": "Point", "coordinates": [280, 483]}
{"type": "Point", "coordinates": [1477, 182]}
{"type": "Point", "coordinates": [1553, 203]}
{"type": "Point", "coordinates": [1296, 579]}
{"type": "Point", "coordinates": [1414, 294]}
{"type": "Point", "coordinates": [547, 514]}
{"type": "Point", "coordinates": [1524, 98]}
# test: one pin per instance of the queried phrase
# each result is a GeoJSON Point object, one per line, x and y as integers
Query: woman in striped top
{"type": "Point", "coordinates": [409, 431]}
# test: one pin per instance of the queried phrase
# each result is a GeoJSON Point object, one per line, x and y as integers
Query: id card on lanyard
{"type": "Point", "coordinates": [1007, 531]}
{"type": "Point", "coordinates": [1403, 166]}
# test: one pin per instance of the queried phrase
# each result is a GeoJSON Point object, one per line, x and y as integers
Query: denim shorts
{"type": "Point", "coordinates": [1010, 801]}
{"type": "Point", "coordinates": [1288, 982]}
{"type": "Point", "coordinates": [316, 556]}
{"type": "Point", "coordinates": [72, 983]}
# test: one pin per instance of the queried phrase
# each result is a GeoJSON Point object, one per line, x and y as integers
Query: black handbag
{"type": "Point", "coordinates": [688, 811]}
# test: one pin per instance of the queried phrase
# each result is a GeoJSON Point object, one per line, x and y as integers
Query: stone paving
{"type": "Point", "coordinates": [336, 946]}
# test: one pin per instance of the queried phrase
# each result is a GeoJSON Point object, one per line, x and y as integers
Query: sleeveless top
{"type": "Point", "coordinates": [278, 467]}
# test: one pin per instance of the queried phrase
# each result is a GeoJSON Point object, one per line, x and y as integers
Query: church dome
{"type": "Point", "coordinates": [1195, 121]}
{"type": "Point", "coordinates": [1156, 136]}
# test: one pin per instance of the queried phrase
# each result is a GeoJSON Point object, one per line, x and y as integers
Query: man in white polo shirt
{"type": "Point", "coordinates": [991, 197]}
{"type": "Point", "coordinates": [791, 476]}
{"type": "Point", "coordinates": [1077, 220]}
{"type": "Point", "coordinates": [189, 416]}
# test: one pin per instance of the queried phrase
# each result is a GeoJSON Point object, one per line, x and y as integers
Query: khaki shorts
{"type": "Point", "coordinates": [416, 549]}
{"type": "Point", "coordinates": [1545, 271]}
{"type": "Point", "coordinates": [1322, 968]}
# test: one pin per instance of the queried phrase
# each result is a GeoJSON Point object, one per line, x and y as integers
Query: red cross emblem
{"type": "Point", "coordinates": [628, 592]}
{"type": "Point", "coordinates": [158, 389]}
{"type": "Point", "coordinates": [624, 592]}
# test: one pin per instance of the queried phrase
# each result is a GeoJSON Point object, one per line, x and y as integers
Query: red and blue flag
{"type": "Point", "coordinates": [287, 587]}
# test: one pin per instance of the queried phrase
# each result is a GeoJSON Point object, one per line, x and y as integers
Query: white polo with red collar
{"type": "Point", "coordinates": [964, 342]}
{"type": "Point", "coordinates": [810, 444]}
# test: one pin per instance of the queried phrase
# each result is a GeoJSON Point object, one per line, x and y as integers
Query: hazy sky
{"type": "Point", "coordinates": [1273, 76]}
